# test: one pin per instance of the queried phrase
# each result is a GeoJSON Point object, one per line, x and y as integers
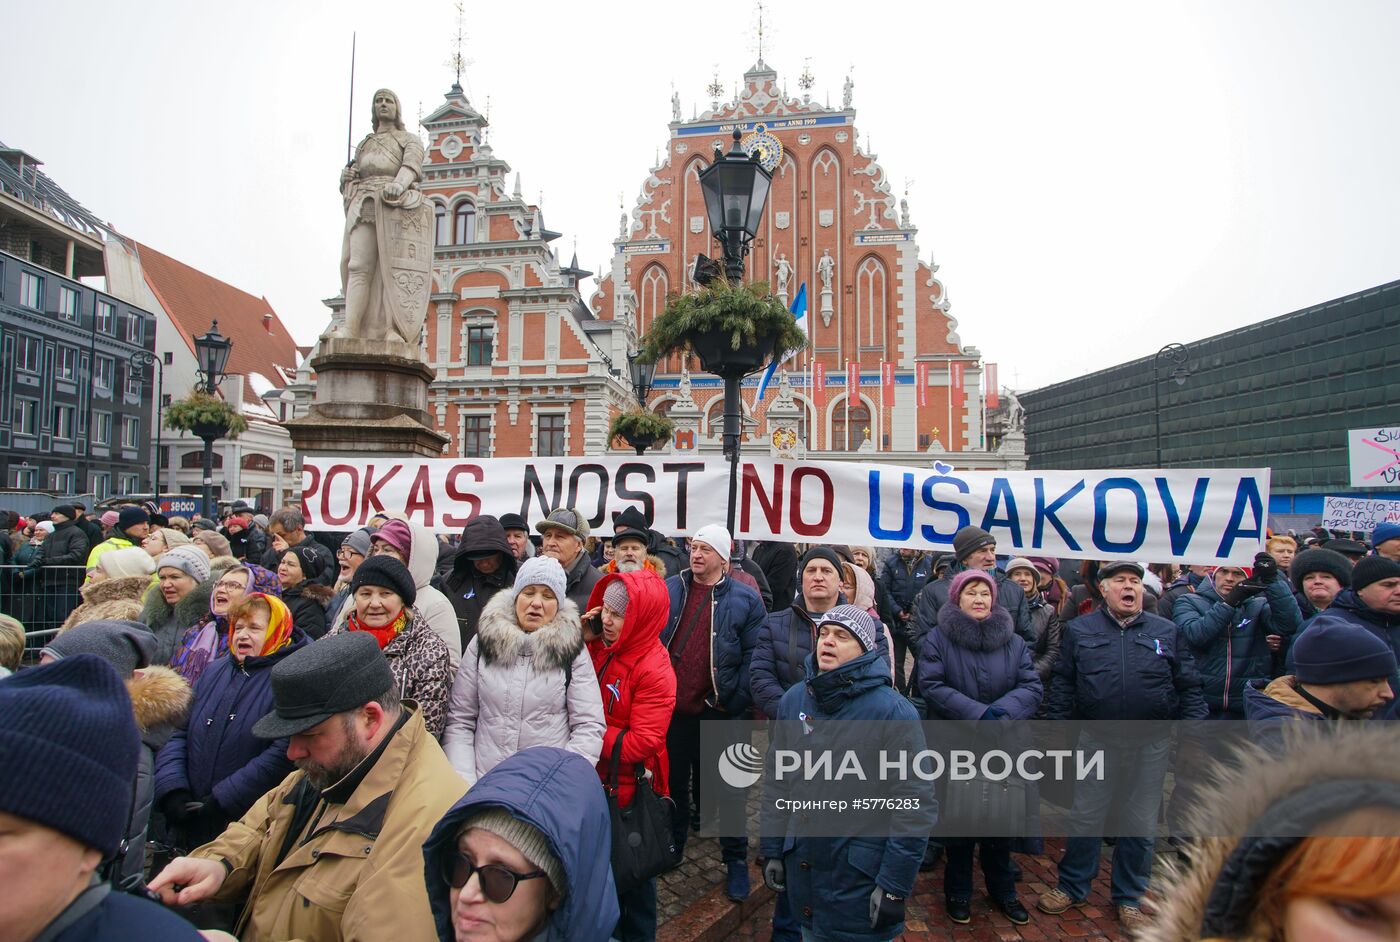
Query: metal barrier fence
{"type": "Point", "coordinates": [40, 599]}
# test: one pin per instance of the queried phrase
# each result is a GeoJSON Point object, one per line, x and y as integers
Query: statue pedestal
{"type": "Point", "coordinates": [371, 396]}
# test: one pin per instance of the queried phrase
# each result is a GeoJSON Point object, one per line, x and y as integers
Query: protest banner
{"type": "Point", "coordinates": [1202, 517]}
{"type": "Point", "coordinates": [1374, 456]}
{"type": "Point", "coordinates": [1358, 513]}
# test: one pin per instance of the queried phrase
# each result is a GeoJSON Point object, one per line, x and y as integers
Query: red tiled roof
{"type": "Point", "coordinates": [193, 299]}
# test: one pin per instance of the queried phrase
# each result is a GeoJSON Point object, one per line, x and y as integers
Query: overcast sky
{"type": "Point", "coordinates": [1095, 179]}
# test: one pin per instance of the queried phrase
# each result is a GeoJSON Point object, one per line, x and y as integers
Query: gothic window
{"type": "Point", "coordinates": [464, 224]}
{"type": "Point", "coordinates": [476, 436]}
{"type": "Point", "coordinates": [440, 225]}
{"type": "Point", "coordinates": [870, 303]}
{"type": "Point", "coordinates": [479, 346]}
{"type": "Point", "coordinates": [849, 434]}
{"type": "Point", "coordinates": [652, 296]}
{"type": "Point", "coordinates": [825, 163]}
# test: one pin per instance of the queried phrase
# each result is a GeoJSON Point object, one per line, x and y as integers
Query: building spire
{"type": "Point", "coordinates": [457, 62]}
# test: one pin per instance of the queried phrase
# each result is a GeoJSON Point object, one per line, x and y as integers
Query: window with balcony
{"type": "Point", "coordinates": [476, 437]}
{"type": "Point", "coordinates": [479, 346]}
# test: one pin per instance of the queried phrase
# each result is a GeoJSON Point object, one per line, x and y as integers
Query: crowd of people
{"type": "Point", "coordinates": [285, 735]}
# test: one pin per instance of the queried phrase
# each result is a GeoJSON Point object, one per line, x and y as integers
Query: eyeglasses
{"type": "Point", "coordinates": [497, 883]}
{"type": "Point", "coordinates": [238, 584]}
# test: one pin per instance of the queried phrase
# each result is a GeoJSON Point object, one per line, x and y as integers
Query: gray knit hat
{"type": "Point", "coordinates": [543, 570]}
{"type": "Point", "coordinates": [126, 645]}
{"type": "Point", "coordinates": [187, 559]}
{"type": "Point", "coordinates": [524, 837]}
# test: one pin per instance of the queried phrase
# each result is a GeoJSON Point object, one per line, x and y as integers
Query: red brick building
{"type": "Point", "coordinates": [874, 307]}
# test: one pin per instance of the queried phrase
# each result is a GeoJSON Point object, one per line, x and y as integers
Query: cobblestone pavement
{"type": "Point", "coordinates": [703, 873]}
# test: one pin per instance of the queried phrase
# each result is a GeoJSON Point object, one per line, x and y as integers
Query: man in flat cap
{"type": "Point", "coordinates": [335, 851]}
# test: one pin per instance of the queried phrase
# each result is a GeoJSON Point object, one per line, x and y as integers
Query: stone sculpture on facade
{"type": "Point", "coordinates": [782, 273]}
{"type": "Point", "coordinates": [826, 269]}
{"type": "Point", "coordinates": [387, 248]}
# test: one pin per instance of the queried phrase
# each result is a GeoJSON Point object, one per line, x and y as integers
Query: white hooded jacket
{"type": "Point", "coordinates": [513, 692]}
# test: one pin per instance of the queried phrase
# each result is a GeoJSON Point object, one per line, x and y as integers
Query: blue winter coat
{"type": "Point", "coordinates": [934, 597]}
{"type": "Point", "coordinates": [736, 617]}
{"type": "Point", "coordinates": [1143, 671]}
{"type": "Point", "coordinates": [102, 914]}
{"type": "Point", "coordinates": [830, 879]}
{"type": "Point", "coordinates": [217, 754]}
{"type": "Point", "coordinates": [1229, 643]}
{"type": "Point", "coordinates": [780, 660]}
{"type": "Point", "coordinates": [557, 792]}
{"type": "Point", "coordinates": [968, 667]}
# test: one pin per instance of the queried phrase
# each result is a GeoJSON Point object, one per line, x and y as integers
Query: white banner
{"type": "Point", "coordinates": [1358, 513]}
{"type": "Point", "coordinates": [1374, 456]}
{"type": "Point", "coordinates": [1199, 517]}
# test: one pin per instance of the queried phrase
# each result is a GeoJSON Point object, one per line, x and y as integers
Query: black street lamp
{"type": "Point", "coordinates": [642, 376]}
{"type": "Point", "coordinates": [139, 361]}
{"type": "Point", "coordinates": [736, 188]}
{"type": "Point", "coordinates": [212, 350]}
{"type": "Point", "coordinates": [1177, 355]}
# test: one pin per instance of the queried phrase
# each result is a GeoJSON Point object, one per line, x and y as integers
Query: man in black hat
{"type": "Point", "coordinates": [133, 523]}
{"type": "Point", "coordinates": [518, 536]}
{"type": "Point", "coordinates": [632, 545]}
{"type": "Point", "coordinates": [64, 552]}
{"type": "Point", "coordinates": [1353, 550]}
{"type": "Point", "coordinates": [91, 528]}
{"type": "Point", "coordinates": [335, 850]}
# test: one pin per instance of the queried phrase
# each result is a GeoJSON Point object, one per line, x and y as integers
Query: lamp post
{"type": "Point", "coordinates": [212, 350]}
{"type": "Point", "coordinates": [139, 361]}
{"type": "Point", "coordinates": [642, 376]}
{"type": "Point", "coordinates": [736, 188]}
{"type": "Point", "coordinates": [1177, 355]}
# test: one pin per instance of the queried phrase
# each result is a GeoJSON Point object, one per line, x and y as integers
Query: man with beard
{"type": "Point", "coordinates": [334, 851]}
{"type": "Point", "coordinates": [632, 541]}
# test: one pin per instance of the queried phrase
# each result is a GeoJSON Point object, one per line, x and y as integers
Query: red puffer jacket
{"type": "Point", "coordinates": [637, 681]}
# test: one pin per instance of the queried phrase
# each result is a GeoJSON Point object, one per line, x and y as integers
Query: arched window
{"type": "Point", "coordinates": [195, 460]}
{"type": "Point", "coordinates": [464, 224]}
{"type": "Point", "coordinates": [440, 224]}
{"type": "Point", "coordinates": [870, 303]}
{"type": "Point", "coordinates": [849, 436]}
{"type": "Point", "coordinates": [252, 461]}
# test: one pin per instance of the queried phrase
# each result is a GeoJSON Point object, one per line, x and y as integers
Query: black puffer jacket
{"type": "Point", "coordinates": [466, 587]}
{"type": "Point", "coordinates": [1143, 671]}
{"type": "Point", "coordinates": [67, 545]}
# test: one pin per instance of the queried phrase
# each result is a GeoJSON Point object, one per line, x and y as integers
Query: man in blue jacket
{"type": "Point", "coordinates": [1119, 663]}
{"type": "Point", "coordinates": [1372, 602]}
{"type": "Point", "coordinates": [711, 635]}
{"type": "Point", "coordinates": [790, 634]}
{"type": "Point", "coordinates": [1237, 622]}
{"type": "Point", "coordinates": [849, 887]}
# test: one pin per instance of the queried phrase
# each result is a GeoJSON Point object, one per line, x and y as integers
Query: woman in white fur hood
{"type": "Point", "coordinates": [526, 678]}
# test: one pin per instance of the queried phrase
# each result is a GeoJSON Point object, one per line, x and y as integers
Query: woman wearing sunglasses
{"type": "Point", "coordinates": [525, 856]}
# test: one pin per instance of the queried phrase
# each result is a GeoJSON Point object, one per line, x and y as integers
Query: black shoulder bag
{"type": "Point", "coordinates": [642, 847]}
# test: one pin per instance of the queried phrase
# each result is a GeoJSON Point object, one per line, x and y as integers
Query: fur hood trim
{"type": "Point", "coordinates": [118, 599]}
{"type": "Point", "coordinates": [1315, 754]}
{"type": "Point", "coordinates": [990, 634]}
{"type": "Point", "coordinates": [322, 594]}
{"type": "Point", "coordinates": [555, 644]}
{"type": "Point", "coordinates": [193, 609]}
{"type": "Point", "coordinates": [159, 697]}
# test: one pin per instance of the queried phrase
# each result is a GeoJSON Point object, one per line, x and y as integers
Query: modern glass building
{"type": "Point", "coordinates": [1279, 394]}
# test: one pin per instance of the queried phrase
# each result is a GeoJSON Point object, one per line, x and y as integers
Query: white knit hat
{"type": "Point", "coordinates": [716, 537]}
{"type": "Point", "coordinates": [542, 570]}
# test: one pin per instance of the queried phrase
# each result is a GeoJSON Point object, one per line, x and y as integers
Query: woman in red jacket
{"type": "Point", "coordinates": [639, 695]}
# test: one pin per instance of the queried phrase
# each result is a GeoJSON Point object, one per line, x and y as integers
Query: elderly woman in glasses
{"type": "Point", "coordinates": [526, 855]}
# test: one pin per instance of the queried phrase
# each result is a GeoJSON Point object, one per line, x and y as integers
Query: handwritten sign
{"type": "Point", "coordinates": [1358, 513]}
{"type": "Point", "coordinates": [1375, 457]}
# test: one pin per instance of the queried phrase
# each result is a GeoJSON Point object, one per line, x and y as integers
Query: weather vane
{"type": "Point", "coordinates": [805, 81]}
{"type": "Point", "coordinates": [715, 88]}
{"type": "Point", "coordinates": [760, 31]}
{"type": "Point", "coordinates": [457, 62]}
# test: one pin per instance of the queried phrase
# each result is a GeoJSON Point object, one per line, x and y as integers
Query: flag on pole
{"type": "Point", "coordinates": [819, 384]}
{"type": "Point", "coordinates": [799, 312]}
{"type": "Point", "coordinates": [887, 382]}
{"type": "Point", "coordinates": [955, 383]}
{"type": "Point", "coordinates": [993, 389]}
{"type": "Point", "coordinates": [921, 382]}
{"type": "Point", "coordinates": [853, 381]}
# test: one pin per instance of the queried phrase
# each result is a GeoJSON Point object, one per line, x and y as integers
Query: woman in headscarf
{"type": "Point", "coordinates": [384, 595]}
{"type": "Point", "coordinates": [526, 678]}
{"type": "Point", "coordinates": [208, 640]}
{"type": "Point", "coordinates": [212, 771]}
